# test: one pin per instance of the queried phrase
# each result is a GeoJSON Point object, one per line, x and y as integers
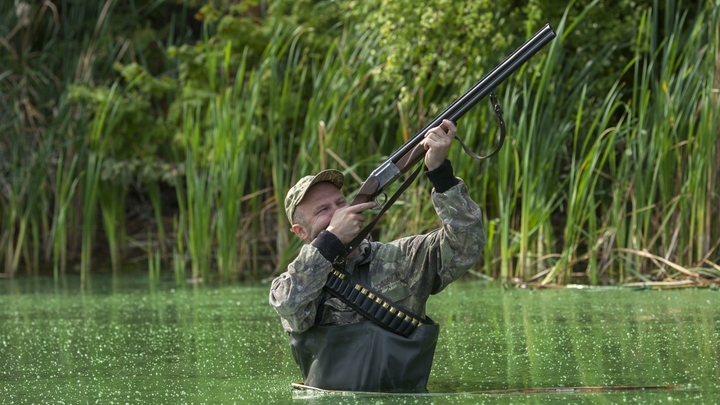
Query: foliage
{"type": "Point", "coordinates": [455, 40]}
{"type": "Point", "coordinates": [134, 132]}
{"type": "Point", "coordinates": [210, 110]}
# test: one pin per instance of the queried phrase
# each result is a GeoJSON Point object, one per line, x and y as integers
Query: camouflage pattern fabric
{"type": "Point", "coordinates": [406, 271]}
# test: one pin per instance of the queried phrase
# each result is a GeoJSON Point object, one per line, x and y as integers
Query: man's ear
{"type": "Point", "coordinates": [299, 230]}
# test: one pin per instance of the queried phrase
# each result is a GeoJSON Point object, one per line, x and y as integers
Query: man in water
{"type": "Point", "coordinates": [334, 345]}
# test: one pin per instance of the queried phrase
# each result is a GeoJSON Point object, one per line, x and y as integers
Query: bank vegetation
{"type": "Point", "coordinates": [163, 135]}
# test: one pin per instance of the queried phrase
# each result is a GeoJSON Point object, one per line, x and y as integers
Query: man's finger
{"type": "Point", "coordinates": [430, 138]}
{"type": "Point", "coordinates": [449, 126]}
{"type": "Point", "coordinates": [437, 131]}
{"type": "Point", "coordinates": [362, 206]}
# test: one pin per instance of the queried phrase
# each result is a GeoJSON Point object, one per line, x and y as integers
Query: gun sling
{"type": "Point", "coordinates": [366, 231]}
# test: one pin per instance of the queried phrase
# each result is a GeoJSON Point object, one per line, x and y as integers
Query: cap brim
{"type": "Point", "coordinates": [333, 176]}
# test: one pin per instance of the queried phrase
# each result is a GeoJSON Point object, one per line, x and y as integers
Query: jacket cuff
{"type": "Point", "coordinates": [328, 245]}
{"type": "Point", "coordinates": [442, 177]}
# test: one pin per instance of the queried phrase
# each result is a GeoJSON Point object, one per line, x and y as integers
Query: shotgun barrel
{"type": "Point", "coordinates": [407, 155]}
{"type": "Point", "coordinates": [483, 87]}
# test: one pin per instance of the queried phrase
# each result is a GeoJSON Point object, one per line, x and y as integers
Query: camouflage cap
{"type": "Point", "coordinates": [297, 192]}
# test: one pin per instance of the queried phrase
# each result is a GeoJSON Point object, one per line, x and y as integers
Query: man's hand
{"type": "Point", "coordinates": [437, 144]}
{"type": "Point", "coordinates": [348, 221]}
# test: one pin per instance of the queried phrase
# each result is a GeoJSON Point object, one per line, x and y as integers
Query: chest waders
{"type": "Point", "coordinates": [392, 350]}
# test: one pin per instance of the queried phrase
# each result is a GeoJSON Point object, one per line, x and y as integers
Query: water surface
{"type": "Point", "coordinates": [126, 341]}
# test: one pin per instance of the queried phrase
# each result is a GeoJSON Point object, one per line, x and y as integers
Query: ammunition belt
{"type": "Point", "coordinates": [372, 305]}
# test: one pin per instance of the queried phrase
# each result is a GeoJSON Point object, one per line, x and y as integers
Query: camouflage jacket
{"type": "Point", "coordinates": [406, 271]}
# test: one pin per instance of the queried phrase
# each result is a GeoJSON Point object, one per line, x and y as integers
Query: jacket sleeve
{"type": "Point", "coordinates": [294, 294]}
{"type": "Point", "coordinates": [453, 249]}
{"type": "Point", "coordinates": [428, 263]}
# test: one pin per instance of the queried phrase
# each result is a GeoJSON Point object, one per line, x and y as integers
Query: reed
{"type": "Point", "coordinates": [670, 146]}
{"type": "Point", "coordinates": [65, 185]}
{"type": "Point", "coordinates": [198, 197]}
{"type": "Point", "coordinates": [91, 178]}
{"type": "Point", "coordinates": [339, 118]}
{"type": "Point", "coordinates": [153, 260]}
{"type": "Point", "coordinates": [521, 187]}
{"type": "Point", "coordinates": [153, 190]}
{"type": "Point", "coordinates": [22, 201]}
{"type": "Point", "coordinates": [111, 198]}
{"type": "Point", "coordinates": [42, 126]}
{"type": "Point", "coordinates": [219, 163]}
{"type": "Point", "coordinates": [179, 259]}
{"type": "Point", "coordinates": [233, 134]}
{"type": "Point", "coordinates": [15, 212]}
{"type": "Point", "coordinates": [101, 128]}
{"type": "Point", "coordinates": [282, 118]}
{"type": "Point", "coordinates": [590, 155]}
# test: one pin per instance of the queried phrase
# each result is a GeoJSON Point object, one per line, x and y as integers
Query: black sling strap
{"type": "Point", "coordinates": [373, 305]}
{"type": "Point", "coordinates": [366, 231]}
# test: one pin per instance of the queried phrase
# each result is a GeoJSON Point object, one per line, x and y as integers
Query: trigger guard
{"type": "Point", "coordinates": [384, 199]}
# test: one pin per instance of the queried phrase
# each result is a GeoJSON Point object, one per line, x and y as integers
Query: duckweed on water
{"type": "Point", "coordinates": [224, 344]}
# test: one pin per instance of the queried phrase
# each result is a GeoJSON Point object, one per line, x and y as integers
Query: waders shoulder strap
{"type": "Point", "coordinates": [372, 305]}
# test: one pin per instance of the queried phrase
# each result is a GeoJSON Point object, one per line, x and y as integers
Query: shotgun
{"type": "Point", "coordinates": [412, 152]}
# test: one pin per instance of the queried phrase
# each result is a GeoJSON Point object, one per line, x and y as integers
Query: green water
{"type": "Point", "coordinates": [129, 342]}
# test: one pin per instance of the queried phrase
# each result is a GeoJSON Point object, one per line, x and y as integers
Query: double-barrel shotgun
{"type": "Point", "coordinates": [412, 152]}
